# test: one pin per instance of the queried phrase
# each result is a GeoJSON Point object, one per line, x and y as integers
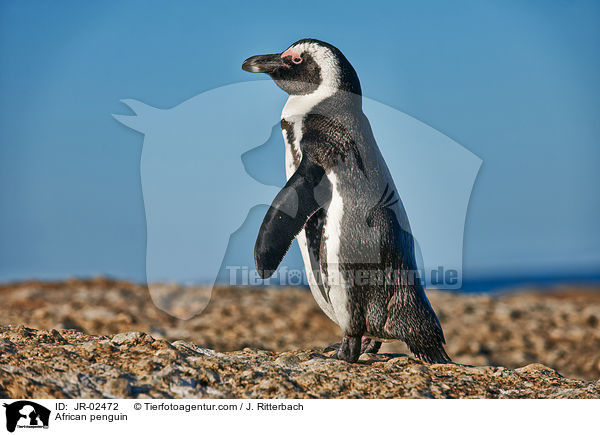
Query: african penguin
{"type": "Point", "coordinates": [341, 203]}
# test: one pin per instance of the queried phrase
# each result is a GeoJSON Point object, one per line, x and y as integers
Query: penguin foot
{"type": "Point", "coordinates": [369, 345]}
{"type": "Point", "coordinates": [349, 350]}
{"type": "Point", "coordinates": [334, 346]}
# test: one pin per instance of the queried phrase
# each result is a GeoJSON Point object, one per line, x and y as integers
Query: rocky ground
{"type": "Point", "coordinates": [70, 364]}
{"type": "Point", "coordinates": [269, 343]}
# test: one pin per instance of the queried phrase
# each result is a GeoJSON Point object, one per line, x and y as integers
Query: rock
{"type": "Point", "coordinates": [192, 348]}
{"type": "Point", "coordinates": [166, 354]}
{"type": "Point", "coordinates": [537, 368]}
{"type": "Point", "coordinates": [130, 338]}
{"type": "Point", "coordinates": [287, 360]}
{"type": "Point", "coordinates": [134, 365]}
{"type": "Point", "coordinates": [368, 357]}
{"type": "Point", "coordinates": [7, 346]}
{"type": "Point", "coordinates": [117, 387]}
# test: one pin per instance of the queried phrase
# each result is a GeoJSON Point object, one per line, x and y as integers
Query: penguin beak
{"type": "Point", "coordinates": [263, 63]}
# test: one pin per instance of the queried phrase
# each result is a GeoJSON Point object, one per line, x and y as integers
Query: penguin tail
{"type": "Point", "coordinates": [434, 354]}
{"type": "Point", "coordinates": [427, 342]}
{"type": "Point", "coordinates": [415, 323]}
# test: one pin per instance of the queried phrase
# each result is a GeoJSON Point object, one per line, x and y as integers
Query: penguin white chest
{"type": "Point", "coordinates": [333, 279]}
{"type": "Point", "coordinates": [291, 128]}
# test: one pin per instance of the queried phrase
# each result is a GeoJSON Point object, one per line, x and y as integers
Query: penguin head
{"type": "Point", "coordinates": [306, 66]}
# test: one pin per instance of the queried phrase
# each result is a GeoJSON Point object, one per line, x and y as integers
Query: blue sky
{"type": "Point", "coordinates": [516, 83]}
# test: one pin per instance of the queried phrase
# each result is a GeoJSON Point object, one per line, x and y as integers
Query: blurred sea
{"type": "Point", "coordinates": [496, 284]}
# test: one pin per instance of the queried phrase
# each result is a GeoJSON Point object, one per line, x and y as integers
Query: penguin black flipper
{"type": "Point", "coordinates": [307, 191]}
{"type": "Point", "coordinates": [410, 316]}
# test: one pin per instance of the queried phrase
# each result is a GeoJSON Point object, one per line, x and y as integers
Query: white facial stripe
{"type": "Point", "coordinates": [299, 105]}
{"type": "Point", "coordinates": [330, 70]}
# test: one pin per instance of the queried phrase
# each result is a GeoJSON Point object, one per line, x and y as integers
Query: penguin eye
{"type": "Point", "coordinates": [297, 60]}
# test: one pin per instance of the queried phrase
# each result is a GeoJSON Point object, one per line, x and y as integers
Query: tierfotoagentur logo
{"type": "Point", "coordinates": [25, 414]}
{"type": "Point", "coordinates": [243, 275]}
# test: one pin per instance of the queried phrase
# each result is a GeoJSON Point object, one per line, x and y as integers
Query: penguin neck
{"type": "Point", "coordinates": [300, 105]}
